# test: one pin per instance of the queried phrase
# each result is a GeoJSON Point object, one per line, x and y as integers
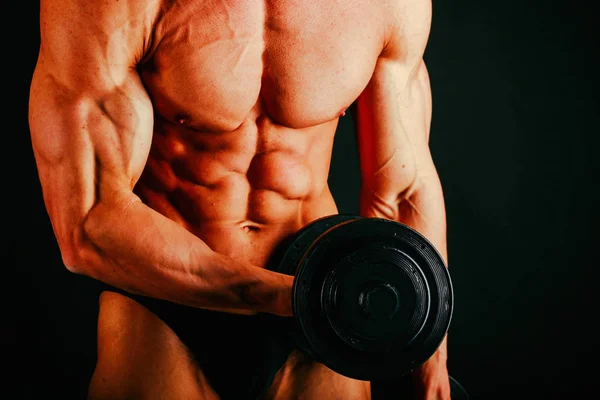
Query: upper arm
{"type": "Point", "coordinates": [393, 113]}
{"type": "Point", "coordinates": [393, 116]}
{"type": "Point", "coordinates": [90, 118]}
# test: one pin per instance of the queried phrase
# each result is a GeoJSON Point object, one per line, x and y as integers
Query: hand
{"type": "Point", "coordinates": [431, 380]}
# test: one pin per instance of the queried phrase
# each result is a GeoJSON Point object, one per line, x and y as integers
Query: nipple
{"type": "Point", "coordinates": [182, 119]}
{"type": "Point", "coordinates": [343, 112]}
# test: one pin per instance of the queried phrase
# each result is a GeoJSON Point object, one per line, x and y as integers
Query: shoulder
{"type": "Point", "coordinates": [99, 12]}
{"type": "Point", "coordinates": [120, 29]}
{"type": "Point", "coordinates": [408, 27]}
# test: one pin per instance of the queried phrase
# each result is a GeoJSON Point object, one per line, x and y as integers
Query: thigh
{"type": "Point", "coordinates": [302, 378]}
{"type": "Point", "coordinates": [140, 357]}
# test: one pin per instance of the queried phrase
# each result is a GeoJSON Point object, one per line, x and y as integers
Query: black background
{"type": "Point", "coordinates": [514, 138]}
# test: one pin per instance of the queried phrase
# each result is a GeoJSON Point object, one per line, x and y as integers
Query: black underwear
{"type": "Point", "coordinates": [238, 354]}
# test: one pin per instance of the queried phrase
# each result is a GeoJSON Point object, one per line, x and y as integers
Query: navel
{"type": "Point", "coordinates": [250, 228]}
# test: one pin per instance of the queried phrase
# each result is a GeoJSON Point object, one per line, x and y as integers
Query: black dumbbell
{"type": "Point", "coordinates": [372, 298]}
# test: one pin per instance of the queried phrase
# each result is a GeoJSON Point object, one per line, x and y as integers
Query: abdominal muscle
{"type": "Point", "coordinates": [241, 192]}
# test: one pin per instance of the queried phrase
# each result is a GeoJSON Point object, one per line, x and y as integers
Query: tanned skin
{"type": "Point", "coordinates": [178, 142]}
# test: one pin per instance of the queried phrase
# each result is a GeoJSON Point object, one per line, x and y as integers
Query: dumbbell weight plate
{"type": "Point", "coordinates": [372, 297]}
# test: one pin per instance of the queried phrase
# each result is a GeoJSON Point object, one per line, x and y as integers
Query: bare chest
{"type": "Point", "coordinates": [300, 62]}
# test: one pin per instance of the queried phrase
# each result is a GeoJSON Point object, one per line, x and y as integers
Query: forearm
{"type": "Point", "coordinates": [128, 245]}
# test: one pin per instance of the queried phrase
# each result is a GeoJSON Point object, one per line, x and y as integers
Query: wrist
{"type": "Point", "coordinates": [281, 304]}
{"type": "Point", "coordinates": [267, 291]}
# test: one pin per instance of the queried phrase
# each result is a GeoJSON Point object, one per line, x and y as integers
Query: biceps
{"type": "Point", "coordinates": [392, 116]}
{"type": "Point", "coordinates": [119, 127]}
{"type": "Point", "coordinates": [87, 144]}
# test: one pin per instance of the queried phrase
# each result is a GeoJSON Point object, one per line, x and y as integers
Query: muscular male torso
{"type": "Point", "coordinates": [246, 98]}
{"type": "Point", "coordinates": [220, 115]}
